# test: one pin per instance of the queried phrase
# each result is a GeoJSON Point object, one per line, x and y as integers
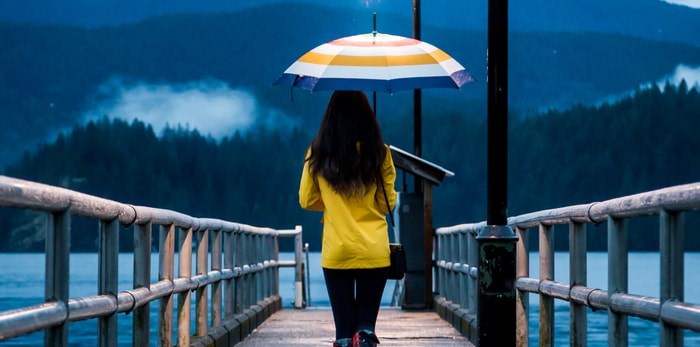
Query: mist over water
{"type": "Point", "coordinates": [688, 3]}
{"type": "Point", "coordinates": [210, 106]}
{"type": "Point", "coordinates": [689, 74]}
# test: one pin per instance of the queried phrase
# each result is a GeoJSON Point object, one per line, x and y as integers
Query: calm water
{"type": "Point", "coordinates": [22, 284]}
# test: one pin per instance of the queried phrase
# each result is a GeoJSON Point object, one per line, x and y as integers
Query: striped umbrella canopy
{"type": "Point", "coordinates": [375, 62]}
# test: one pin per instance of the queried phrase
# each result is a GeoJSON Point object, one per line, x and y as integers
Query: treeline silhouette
{"type": "Point", "coordinates": [642, 142]}
{"type": "Point", "coordinates": [51, 75]}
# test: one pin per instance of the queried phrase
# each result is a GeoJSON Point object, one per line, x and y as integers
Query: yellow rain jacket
{"type": "Point", "coordinates": [355, 234]}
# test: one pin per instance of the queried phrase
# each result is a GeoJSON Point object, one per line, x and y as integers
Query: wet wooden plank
{"type": "Point", "coordinates": [314, 327]}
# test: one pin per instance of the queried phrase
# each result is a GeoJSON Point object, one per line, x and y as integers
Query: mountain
{"type": "Point", "coordinates": [652, 19]}
{"type": "Point", "coordinates": [559, 158]}
{"type": "Point", "coordinates": [50, 76]}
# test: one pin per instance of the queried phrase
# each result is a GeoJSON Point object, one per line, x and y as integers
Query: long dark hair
{"type": "Point", "coordinates": [348, 150]}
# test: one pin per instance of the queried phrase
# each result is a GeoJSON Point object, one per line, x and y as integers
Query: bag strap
{"type": "Point", "coordinates": [386, 200]}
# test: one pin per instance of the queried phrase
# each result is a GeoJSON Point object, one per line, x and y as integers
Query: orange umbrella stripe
{"type": "Point", "coordinates": [436, 56]}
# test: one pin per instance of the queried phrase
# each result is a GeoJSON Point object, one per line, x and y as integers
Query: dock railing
{"type": "Point", "coordinates": [456, 262]}
{"type": "Point", "coordinates": [243, 271]}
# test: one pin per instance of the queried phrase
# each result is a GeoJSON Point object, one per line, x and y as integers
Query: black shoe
{"type": "Point", "coordinates": [364, 338]}
{"type": "Point", "coordinates": [347, 342]}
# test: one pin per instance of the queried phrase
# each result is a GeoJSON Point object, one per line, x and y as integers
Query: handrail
{"type": "Point", "coordinates": [249, 271]}
{"type": "Point", "coordinates": [456, 262]}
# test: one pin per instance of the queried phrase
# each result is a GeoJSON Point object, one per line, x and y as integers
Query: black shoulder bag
{"type": "Point", "coordinates": [397, 269]}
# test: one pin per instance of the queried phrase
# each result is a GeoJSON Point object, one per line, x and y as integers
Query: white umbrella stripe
{"type": "Point", "coordinates": [375, 73]}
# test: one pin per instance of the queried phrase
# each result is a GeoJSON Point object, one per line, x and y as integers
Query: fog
{"type": "Point", "coordinates": [210, 106]}
{"type": "Point", "coordinates": [689, 3]}
{"type": "Point", "coordinates": [690, 74]}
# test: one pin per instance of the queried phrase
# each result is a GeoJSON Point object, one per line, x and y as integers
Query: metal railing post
{"type": "Point", "coordinates": [229, 284]}
{"type": "Point", "coordinates": [448, 266]}
{"type": "Point", "coordinates": [546, 273]}
{"type": "Point", "coordinates": [671, 235]}
{"type": "Point", "coordinates": [184, 300]}
{"type": "Point", "coordinates": [142, 279]}
{"type": "Point", "coordinates": [276, 247]}
{"type": "Point", "coordinates": [166, 269]}
{"type": "Point", "coordinates": [473, 280]}
{"type": "Point", "coordinates": [298, 274]}
{"type": "Point", "coordinates": [617, 279]}
{"type": "Point", "coordinates": [201, 298]}
{"type": "Point", "coordinates": [464, 264]}
{"type": "Point", "coordinates": [439, 271]}
{"type": "Point", "coordinates": [259, 274]}
{"type": "Point", "coordinates": [454, 258]}
{"type": "Point", "coordinates": [577, 277]}
{"type": "Point", "coordinates": [108, 274]}
{"type": "Point", "coordinates": [57, 247]}
{"type": "Point", "coordinates": [216, 286]}
{"type": "Point", "coordinates": [241, 262]}
{"type": "Point", "coordinates": [522, 298]}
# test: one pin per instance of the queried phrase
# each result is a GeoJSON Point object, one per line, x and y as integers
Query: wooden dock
{"type": "Point", "coordinates": [314, 327]}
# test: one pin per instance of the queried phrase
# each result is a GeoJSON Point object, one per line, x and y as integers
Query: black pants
{"type": "Point", "coordinates": [355, 297]}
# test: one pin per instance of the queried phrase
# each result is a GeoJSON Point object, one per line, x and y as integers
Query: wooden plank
{"type": "Point", "coordinates": [314, 327]}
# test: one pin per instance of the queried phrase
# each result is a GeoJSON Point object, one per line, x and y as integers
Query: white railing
{"type": "Point", "coordinates": [456, 261]}
{"type": "Point", "coordinates": [243, 270]}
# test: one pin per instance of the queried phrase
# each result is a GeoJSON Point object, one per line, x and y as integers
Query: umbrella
{"type": "Point", "coordinates": [375, 62]}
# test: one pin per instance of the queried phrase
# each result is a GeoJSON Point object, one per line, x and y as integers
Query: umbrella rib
{"type": "Point", "coordinates": [388, 78]}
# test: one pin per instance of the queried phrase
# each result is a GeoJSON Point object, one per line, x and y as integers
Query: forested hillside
{"type": "Point", "coordinates": [558, 158]}
{"type": "Point", "coordinates": [51, 75]}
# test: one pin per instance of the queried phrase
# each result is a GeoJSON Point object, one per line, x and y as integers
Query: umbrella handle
{"type": "Point", "coordinates": [374, 103]}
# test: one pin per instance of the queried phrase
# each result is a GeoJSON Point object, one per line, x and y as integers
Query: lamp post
{"type": "Point", "coordinates": [496, 241]}
{"type": "Point", "coordinates": [417, 98]}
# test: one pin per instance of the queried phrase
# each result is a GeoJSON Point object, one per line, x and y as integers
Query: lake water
{"type": "Point", "coordinates": [22, 284]}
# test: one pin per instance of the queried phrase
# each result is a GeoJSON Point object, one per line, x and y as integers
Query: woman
{"type": "Point", "coordinates": [346, 173]}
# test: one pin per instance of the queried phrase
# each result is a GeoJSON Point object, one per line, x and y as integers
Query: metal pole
{"type": "Point", "coordinates": [497, 85]}
{"type": "Point", "coordinates": [298, 276]}
{"type": "Point", "coordinates": [184, 299]}
{"type": "Point", "coordinates": [522, 297]}
{"type": "Point", "coordinates": [142, 279]}
{"type": "Point", "coordinates": [417, 100]}
{"type": "Point", "coordinates": [108, 264]}
{"type": "Point", "coordinates": [496, 294]}
{"type": "Point", "coordinates": [671, 235]}
{"type": "Point", "coordinates": [546, 274]}
{"type": "Point", "coordinates": [166, 268]}
{"type": "Point", "coordinates": [577, 277]}
{"type": "Point", "coordinates": [202, 262]}
{"type": "Point", "coordinates": [57, 272]}
{"type": "Point", "coordinates": [618, 266]}
{"type": "Point", "coordinates": [216, 286]}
